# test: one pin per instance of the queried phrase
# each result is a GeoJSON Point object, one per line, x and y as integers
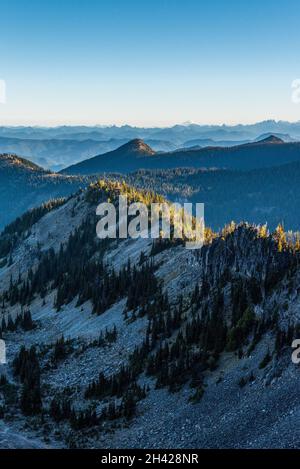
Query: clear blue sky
{"type": "Point", "coordinates": [148, 62]}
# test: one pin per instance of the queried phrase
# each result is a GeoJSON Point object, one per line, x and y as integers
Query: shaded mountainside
{"type": "Point", "coordinates": [258, 196]}
{"type": "Point", "coordinates": [268, 152]}
{"type": "Point", "coordinates": [24, 185]}
{"type": "Point", "coordinates": [148, 344]}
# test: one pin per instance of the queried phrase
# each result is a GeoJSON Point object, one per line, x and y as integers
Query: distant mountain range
{"type": "Point", "coordinates": [58, 147]}
{"type": "Point", "coordinates": [256, 181]}
{"type": "Point", "coordinates": [134, 155]}
{"type": "Point", "coordinates": [57, 153]}
{"type": "Point", "coordinates": [178, 134]}
{"type": "Point", "coordinates": [231, 143]}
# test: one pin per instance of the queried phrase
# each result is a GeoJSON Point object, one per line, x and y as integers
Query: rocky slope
{"type": "Point", "coordinates": [208, 349]}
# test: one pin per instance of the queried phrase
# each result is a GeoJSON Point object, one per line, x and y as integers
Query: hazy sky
{"type": "Point", "coordinates": [149, 61]}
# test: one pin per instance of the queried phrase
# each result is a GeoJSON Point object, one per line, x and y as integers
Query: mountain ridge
{"type": "Point", "coordinates": [227, 334]}
{"type": "Point", "coordinates": [25, 185]}
{"type": "Point", "coordinates": [11, 159]}
{"type": "Point", "coordinates": [268, 152]}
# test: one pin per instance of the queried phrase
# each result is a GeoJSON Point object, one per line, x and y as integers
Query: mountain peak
{"type": "Point", "coordinates": [12, 160]}
{"type": "Point", "coordinates": [271, 139]}
{"type": "Point", "coordinates": [137, 145]}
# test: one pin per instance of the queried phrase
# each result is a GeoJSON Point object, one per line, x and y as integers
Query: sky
{"type": "Point", "coordinates": [148, 62]}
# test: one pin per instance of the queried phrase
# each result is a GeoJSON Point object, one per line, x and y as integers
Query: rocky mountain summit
{"type": "Point", "coordinates": [138, 146]}
{"type": "Point", "coordinates": [271, 139]}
